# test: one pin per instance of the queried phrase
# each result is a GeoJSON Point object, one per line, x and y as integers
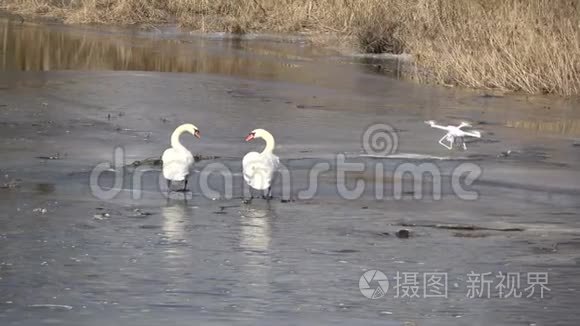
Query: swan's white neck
{"type": "Point", "coordinates": [270, 143]}
{"type": "Point", "coordinates": [175, 143]}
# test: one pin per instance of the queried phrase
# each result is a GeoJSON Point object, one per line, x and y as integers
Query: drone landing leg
{"type": "Point", "coordinates": [445, 145]}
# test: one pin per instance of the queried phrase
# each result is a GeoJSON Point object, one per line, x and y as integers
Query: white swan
{"type": "Point", "coordinates": [177, 160]}
{"type": "Point", "coordinates": [454, 132]}
{"type": "Point", "coordinates": [259, 168]}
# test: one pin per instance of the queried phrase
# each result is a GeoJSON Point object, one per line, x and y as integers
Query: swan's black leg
{"type": "Point", "coordinates": [185, 185]}
{"type": "Point", "coordinates": [268, 194]}
{"type": "Point", "coordinates": [168, 186]}
{"type": "Point", "coordinates": [249, 201]}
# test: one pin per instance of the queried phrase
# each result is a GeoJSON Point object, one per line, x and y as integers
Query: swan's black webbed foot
{"type": "Point", "coordinates": [267, 195]}
{"type": "Point", "coordinates": [247, 201]}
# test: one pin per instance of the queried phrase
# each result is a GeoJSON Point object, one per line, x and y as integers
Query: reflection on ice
{"type": "Point", "coordinates": [255, 228]}
{"type": "Point", "coordinates": [174, 217]}
{"type": "Point", "coordinates": [255, 240]}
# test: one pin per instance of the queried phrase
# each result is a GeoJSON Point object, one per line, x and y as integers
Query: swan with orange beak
{"type": "Point", "coordinates": [177, 159]}
{"type": "Point", "coordinates": [259, 168]}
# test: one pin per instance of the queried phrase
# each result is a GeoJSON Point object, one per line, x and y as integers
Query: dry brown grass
{"type": "Point", "coordinates": [520, 45]}
{"type": "Point", "coordinates": [524, 45]}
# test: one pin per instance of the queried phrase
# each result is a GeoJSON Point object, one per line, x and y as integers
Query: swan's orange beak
{"type": "Point", "coordinates": [249, 137]}
{"type": "Point", "coordinates": [197, 134]}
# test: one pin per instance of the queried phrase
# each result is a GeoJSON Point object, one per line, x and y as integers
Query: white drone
{"type": "Point", "coordinates": [454, 134]}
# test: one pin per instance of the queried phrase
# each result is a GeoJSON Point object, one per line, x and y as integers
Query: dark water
{"type": "Point", "coordinates": [70, 96]}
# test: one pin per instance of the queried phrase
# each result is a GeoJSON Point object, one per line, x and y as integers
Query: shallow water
{"type": "Point", "coordinates": [69, 96]}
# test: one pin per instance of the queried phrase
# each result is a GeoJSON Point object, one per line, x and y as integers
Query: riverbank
{"type": "Point", "coordinates": [524, 46]}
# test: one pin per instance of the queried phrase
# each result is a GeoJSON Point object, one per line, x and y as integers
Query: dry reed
{"type": "Point", "coordinates": [531, 46]}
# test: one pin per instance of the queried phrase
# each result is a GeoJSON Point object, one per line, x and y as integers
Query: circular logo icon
{"type": "Point", "coordinates": [373, 284]}
{"type": "Point", "coordinates": [380, 139]}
